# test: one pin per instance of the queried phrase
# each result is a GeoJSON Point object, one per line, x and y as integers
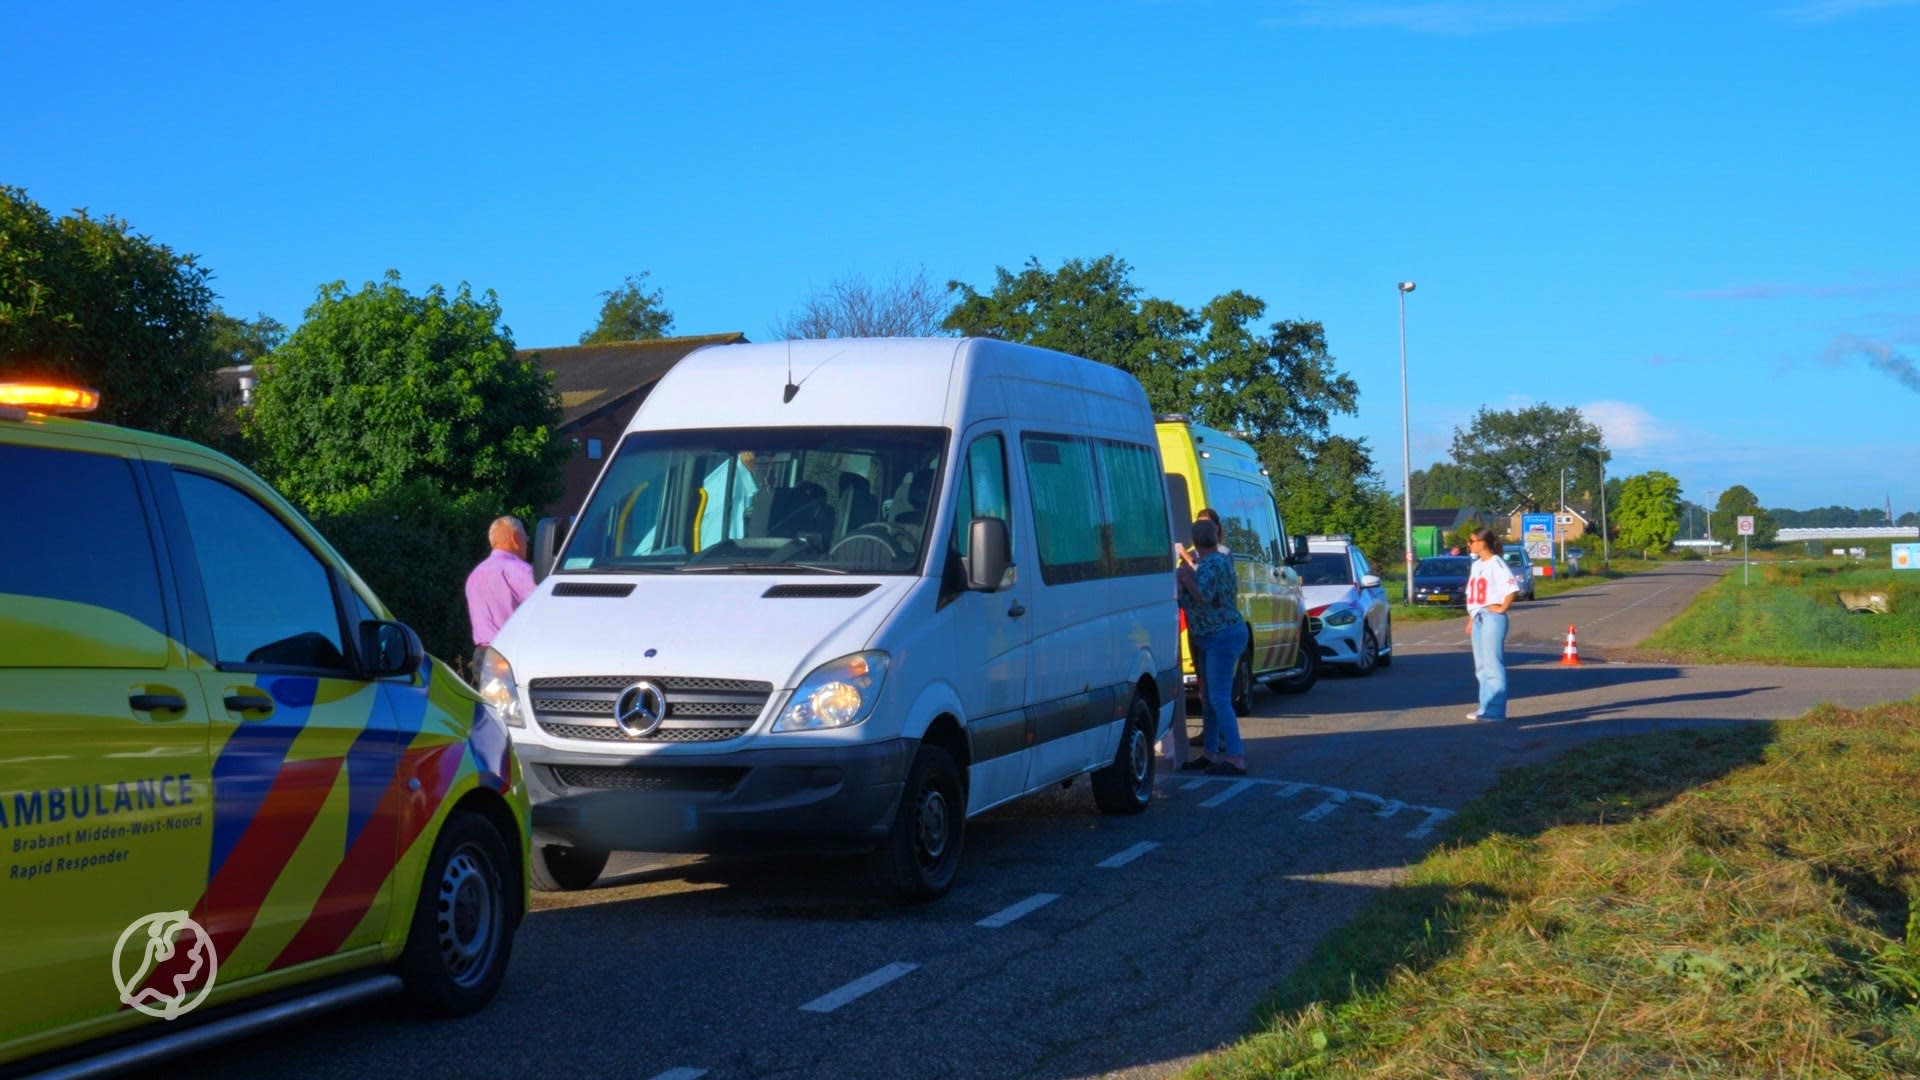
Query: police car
{"type": "Point", "coordinates": [225, 770]}
{"type": "Point", "coordinates": [1352, 620]}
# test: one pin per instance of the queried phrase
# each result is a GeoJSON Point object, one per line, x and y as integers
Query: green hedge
{"type": "Point", "coordinates": [415, 546]}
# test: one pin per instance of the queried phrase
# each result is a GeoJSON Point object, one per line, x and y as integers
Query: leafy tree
{"type": "Point", "coordinates": [89, 300]}
{"type": "Point", "coordinates": [1911, 517]}
{"type": "Point", "coordinates": [1277, 387]}
{"type": "Point", "coordinates": [1515, 458]}
{"type": "Point", "coordinates": [1089, 309]}
{"type": "Point", "coordinates": [1334, 491]}
{"type": "Point", "coordinates": [630, 313]}
{"type": "Point", "coordinates": [1647, 515]}
{"type": "Point", "coordinates": [381, 387]}
{"type": "Point", "coordinates": [1736, 502]}
{"type": "Point", "coordinates": [1442, 485]}
{"type": "Point", "coordinates": [236, 342]}
{"type": "Point", "coordinates": [907, 306]}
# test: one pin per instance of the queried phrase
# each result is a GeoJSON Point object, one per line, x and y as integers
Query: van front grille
{"type": "Point", "coordinates": [698, 709]}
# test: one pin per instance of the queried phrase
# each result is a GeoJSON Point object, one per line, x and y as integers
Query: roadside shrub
{"type": "Point", "coordinates": [415, 546]}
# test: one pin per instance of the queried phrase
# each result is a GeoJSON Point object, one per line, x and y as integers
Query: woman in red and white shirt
{"type": "Point", "coordinates": [1490, 592]}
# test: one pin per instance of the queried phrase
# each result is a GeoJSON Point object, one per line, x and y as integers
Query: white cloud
{"type": "Point", "coordinates": [1626, 426]}
{"type": "Point", "coordinates": [1442, 16]}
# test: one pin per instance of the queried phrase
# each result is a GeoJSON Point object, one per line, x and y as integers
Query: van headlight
{"type": "Point", "coordinates": [838, 693]}
{"type": "Point", "coordinates": [499, 690]}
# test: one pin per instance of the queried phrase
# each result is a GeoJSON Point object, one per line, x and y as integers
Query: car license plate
{"type": "Point", "coordinates": [1442, 598]}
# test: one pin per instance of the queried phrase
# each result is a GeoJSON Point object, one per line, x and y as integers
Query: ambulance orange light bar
{"type": "Point", "coordinates": [49, 397]}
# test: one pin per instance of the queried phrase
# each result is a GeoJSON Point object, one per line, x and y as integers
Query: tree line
{"type": "Point", "coordinates": [387, 409]}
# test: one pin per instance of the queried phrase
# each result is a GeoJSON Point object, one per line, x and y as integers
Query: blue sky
{"type": "Point", "coordinates": [1694, 221]}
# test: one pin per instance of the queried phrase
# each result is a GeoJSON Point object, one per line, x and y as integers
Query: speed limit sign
{"type": "Point", "coordinates": [1746, 525]}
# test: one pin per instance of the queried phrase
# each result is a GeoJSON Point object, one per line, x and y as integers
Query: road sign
{"type": "Point", "coordinates": [1906, 556]}
{"type": "Point", "coordinates": [1746, 525]}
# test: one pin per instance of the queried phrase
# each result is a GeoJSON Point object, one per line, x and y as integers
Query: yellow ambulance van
{"type": "Point", "coordinates": [225, 770]}
{"type": "Point", "coordinates": [1210, 468]}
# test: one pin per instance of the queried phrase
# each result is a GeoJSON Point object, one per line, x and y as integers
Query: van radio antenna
{"type": "Point", "coordinates": [794, 387]}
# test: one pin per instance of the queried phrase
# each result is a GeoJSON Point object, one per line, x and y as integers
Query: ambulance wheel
{"type": "Point", "coordinates": [1308, 672]}
{"type": "Point", "coordinates": [558, 868]}
{"type": "Point", "coordinates": [921, 855]}
{"type": "Point", "coordinates": [462, 933]}
{"type": "Point", "coordinates": [1126, 786]}
{"type": "Point", "coordinates": [1243, 684]}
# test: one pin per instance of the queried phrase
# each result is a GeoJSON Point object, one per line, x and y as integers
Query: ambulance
{"type": "Point", "coordinates": [226, 772]}
{"type": "Point", "coordinates": [1212, 469]}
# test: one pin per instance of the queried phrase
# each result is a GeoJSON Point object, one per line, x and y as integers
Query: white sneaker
{"type": "Point", "coordinates": [1473, 716]}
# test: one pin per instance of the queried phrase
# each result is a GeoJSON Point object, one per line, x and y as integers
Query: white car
{"type": "Point", "coordinates": [1347, 606]}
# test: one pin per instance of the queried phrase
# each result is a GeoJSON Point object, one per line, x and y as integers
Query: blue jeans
{"type": "Point", "coordinates": [1489, 663]}
{"type": "Point", "coordinates": [1220, 654]}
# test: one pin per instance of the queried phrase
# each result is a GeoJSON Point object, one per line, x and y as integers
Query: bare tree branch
{"type": "Point", "coordinates": [909, 305]}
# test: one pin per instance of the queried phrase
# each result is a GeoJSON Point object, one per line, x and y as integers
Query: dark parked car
{"type": "Point", "coordinates": [1522, 566]}
{"type": "Point", "coordinates": [1441, 580]}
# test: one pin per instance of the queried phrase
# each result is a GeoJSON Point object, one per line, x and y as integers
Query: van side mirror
{"type": "Point", "coordinates": [390, 648]}
{"type": "Point", "coordinates": [546, 542]}
{"type": "Point", "coordinates": [989, 554]}
{"type": "Point", "coordinates": [1298, 556]}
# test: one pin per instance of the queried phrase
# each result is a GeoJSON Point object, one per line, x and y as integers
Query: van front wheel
{"type": "Point", "coordinates": [1126, 786]}
{"type": "Point", "coordinates": [558, 868]}
{"type": "Point", "coordinates": [921, 855]}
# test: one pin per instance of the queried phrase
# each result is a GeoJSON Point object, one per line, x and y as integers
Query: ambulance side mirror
{"type": "Point", "coordinates": [390, 649]}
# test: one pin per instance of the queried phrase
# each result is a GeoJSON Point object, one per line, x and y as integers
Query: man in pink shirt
{"type": "Point", "coordinates": [497, 586]}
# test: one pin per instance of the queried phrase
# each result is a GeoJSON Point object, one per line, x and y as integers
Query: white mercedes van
{"type": "Point", "coordinates": [844, 595]}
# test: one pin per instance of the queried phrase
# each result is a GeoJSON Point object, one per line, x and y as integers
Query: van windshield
{"type": "Point", "coordinates": [765, 500]}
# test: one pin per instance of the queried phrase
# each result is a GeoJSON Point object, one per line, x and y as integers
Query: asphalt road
{"type": "Point", "coordinates": [1074, 944]}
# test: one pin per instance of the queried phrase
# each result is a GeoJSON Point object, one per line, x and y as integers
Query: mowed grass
{"type": "Point", "coordinates": [1788, 613]}
{"type": "Point", "coordinates": [1727, 902]}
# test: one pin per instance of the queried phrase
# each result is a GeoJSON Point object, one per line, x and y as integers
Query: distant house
{"type": "Point", "coordinates": [600, 388]}
{"type": "Point", "coordinates": [1572, 523]}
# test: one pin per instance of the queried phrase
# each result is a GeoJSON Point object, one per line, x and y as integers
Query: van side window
{"type": "Point", "coordinates": [983, 490]}
{"type": "Point", "coordinates": [1066, 508]}
{"type": "Point", "coordinates": [83, 553]}
{"type": "Point", "coordinates": [269, 599]}
{"type": "Point", "coordinates": [1136, 506]}
{"type": "Point", "coordinates": [1250, 522]}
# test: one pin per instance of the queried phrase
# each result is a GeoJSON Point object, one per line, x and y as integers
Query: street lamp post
{"type": "Point", "coordinates": [1560, 518]}
{"type": "Point", "coordinates": [1406, 442]}
{"type": "Point", "coordinates": [1711, 492]}
{"type": "Point", "coordinates": [1606, 538]}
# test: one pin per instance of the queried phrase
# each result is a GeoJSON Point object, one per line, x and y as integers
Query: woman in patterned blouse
{"type": "Point", "coordinates": [1209, 595]}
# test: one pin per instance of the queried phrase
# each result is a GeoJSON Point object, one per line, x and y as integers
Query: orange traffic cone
{"type": "Point", "coordinates": [1571, 654]}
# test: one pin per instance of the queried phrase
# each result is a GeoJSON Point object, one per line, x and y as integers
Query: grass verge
{"type": "Point", "coordinates": [1724, 902]}
{"type": "Point", "coordinates": [1787, 613]}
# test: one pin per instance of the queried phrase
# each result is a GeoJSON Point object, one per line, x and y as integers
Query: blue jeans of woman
{"type": "Point", "coordinates": [1489, 663]}
{"type": "Point", "coordinates": [1220, 653]}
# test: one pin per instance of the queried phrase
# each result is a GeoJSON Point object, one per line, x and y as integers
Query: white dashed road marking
{"type": "Point", "coordinates": [1335, 799]}
{"type": "Point", "coordinates": [1332, 800]}
{"type": "Point", "coordinates": [1025, 907]}
{"type": "Point", "coordinates": [1128, 855]}
{"type": "Point", "coordinates": [1238, 788]}
{"type": "Point", "coordinates": [858, 988]}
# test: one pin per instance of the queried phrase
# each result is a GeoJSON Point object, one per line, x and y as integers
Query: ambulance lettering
{"type": "Point", "coordinates": [51, 806]}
